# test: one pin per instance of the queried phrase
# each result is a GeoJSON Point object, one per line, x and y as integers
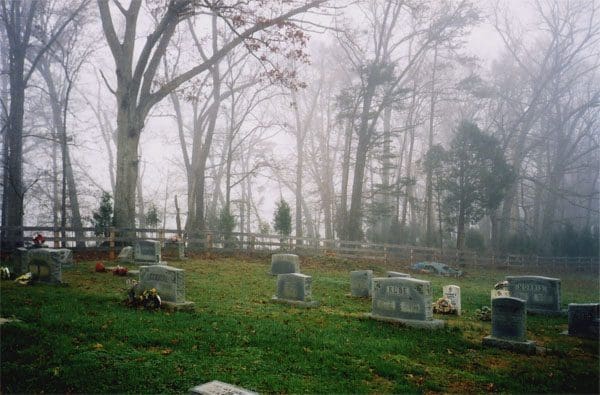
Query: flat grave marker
{"type": "Point", "coordinates": [216, 387]}
{"type": "Point", "coordinates": [403, 300]}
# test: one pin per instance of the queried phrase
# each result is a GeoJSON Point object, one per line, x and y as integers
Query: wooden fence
{"type": "Point", "coordinates": [112, 240]}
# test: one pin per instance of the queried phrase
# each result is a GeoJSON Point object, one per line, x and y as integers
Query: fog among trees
{"type": "Point", "coordinates": [445, 123]}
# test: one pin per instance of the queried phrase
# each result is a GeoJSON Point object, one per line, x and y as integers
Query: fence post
{"type": "Point", "coordinates": [161, 237]}
{"type": "Point", "coordinates": [411, 256]}
{"type": "Point", "coordinates": [251, 244]}
{"type": "Point", "coordinates": [209, 241]}
{"type": "Point", "coordinates": [57, 239]}
{"type": "Point", "coordinates": [111, 244]}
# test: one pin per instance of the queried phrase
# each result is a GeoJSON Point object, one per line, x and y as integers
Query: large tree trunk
{"type": "Point", "coordinates": [429, 178]}
{"type": "Point", "coordinates": [13, 189]}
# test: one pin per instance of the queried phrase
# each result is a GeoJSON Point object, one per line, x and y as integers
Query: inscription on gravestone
{"type": "Point", "coordinates": [405, 300]}
{"type": "Point", "coordinates": [361, 283]}
{"type": "Point", "coordinates": [168, 281]}
{"type": "Point", "coordinates": [452, 293]}
{"type": "Point", "coordinates": [541, 294]}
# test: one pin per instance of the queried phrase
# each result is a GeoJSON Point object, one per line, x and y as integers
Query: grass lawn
{"type": "Point", "coordinates": [80, 338]}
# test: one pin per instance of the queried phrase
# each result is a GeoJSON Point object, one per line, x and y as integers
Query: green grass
{"type": "Point", "coordinates": [80, 338]}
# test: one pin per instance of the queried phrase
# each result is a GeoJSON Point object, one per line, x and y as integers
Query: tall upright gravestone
{"type": "Point", "coordinates": [509, 326]}
{"type": "Point", "coordinates": [361, 283]}
{"type": "Point", "coordinates": [452, 293]}
{"type": "Point", "coordinates": [403, 300]}
{"type": "Point", "coordinates": [541, 294]}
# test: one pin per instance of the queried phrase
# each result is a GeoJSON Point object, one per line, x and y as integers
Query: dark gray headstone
{"type": "Point", "coordinates": [541, 294]}
{"type": "Point", "coordinates": [216, 387]}
{"type": "Point", "coordinates": [147, 251]}
{"type": "Point", "coordinates": [584, 319]}
{"type": "Point", "coordinates": [405, 300]}
{"type": "Point", "coordinates": [45, 264]}
{"type": "Point", "coordinates": [284, 263]}
{"type": "Point", "coordinates": [168, 281]}
{"type": "Point", "coordinates": [509, 325]}
{"type": "Point", "coordinates": [397, 274]}
{"type": "Point", "coordinates": [361, 283]}
{"type": "Point", "coordinates": [294, 288]}
{"type": "Point", "coordinates": [19, 261]}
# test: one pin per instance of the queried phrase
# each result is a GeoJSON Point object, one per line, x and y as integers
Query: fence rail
{"type": "Point", "coordinates": [112, 240]}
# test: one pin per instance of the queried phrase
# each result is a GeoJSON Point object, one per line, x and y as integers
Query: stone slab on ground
{"type": "Point", "coordinates": [216, 387]}
{"type": "Point", "coordinates": [430, 324]}
{"type": "Point", "coordinates": [297, 303]}
{"type": "Point", "coordinates": [524, 347]}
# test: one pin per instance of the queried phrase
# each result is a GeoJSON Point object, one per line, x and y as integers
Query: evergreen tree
{"type": "Point", "coordinates": [476, 177]}
{"type": "Point", "coordinates": [152, 219]}
{"type": "Point", "coordinates": [102, 219]}
{"type": "Point", "coordinates": [282, 221]}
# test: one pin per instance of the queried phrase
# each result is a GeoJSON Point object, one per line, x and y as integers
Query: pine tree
{"type": "Point", "coordinates": [282, 221]}
{"type": "Point", "coordinates": [103, 218]}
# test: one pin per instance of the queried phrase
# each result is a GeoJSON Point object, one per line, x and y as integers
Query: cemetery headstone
{"type": "Point", "coordinates": [126, 255]}
{"type": "Point", "coordinates": [284, 263]}
{"type": "Point", "coordinates": [19, 262]}
{"type": "Point", "coordinates": [295, 289]}
{"type": "Point", "coordinates": [584, 320]}
{"type": "Point", "coordinates": [542, 294]}
{"type": "Point", "coordinates": [509, 323]}
{"type": "Point", "coordinates": [216, 387]}
{"type": "Point", "coordinates": [174, 249]}
{"type": "Point", "coordinates": [147, 251]}
{"type": "Point", "coordinates": [65, 256]}
{"type": "Point", "coordinates": [45, 264]}
{"type": "Point", "coordinates": [169, 283]}
{"type": "Point", "coordinates": [452, 293]}
{"type": "Point", "coordinates": [404, 300]}
{"type": "Point", "coordinates": [397, 274]}
{"type": "Point", "coordinates": [497, 293]}
{"type": "Point", "coordinates": [361, 283]}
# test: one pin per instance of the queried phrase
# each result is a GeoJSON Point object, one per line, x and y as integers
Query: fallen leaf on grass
{"type": "Point", "coordinates": [166, 351]}
{"type": "Point", "coordinates": [98, 346]}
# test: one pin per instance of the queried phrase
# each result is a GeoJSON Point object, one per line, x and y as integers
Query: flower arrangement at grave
{"type": "Point", "coordinates": [120, 271]}
{"type": "Point", "coordinates": [484, 314]}
{"type": "Point", "coordinates": [100, 268]}
{"type": "Point", "coordinates": [25, 279]}
{"type": "Point", "coordinates": [144, 298]}
{"type": "Point", "coordinates": [443, 306]}
{"type": "Point", "coordinates": [38, 240]}
{"type": "Point", "coordinates": [4, 273]}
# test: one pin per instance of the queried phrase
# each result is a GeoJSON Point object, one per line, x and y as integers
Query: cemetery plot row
{"type": "Point", "coordinates": [110, 240]}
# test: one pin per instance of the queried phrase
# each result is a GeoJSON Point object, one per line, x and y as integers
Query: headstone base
{"type": "Point", "coordinates": [297, 303]}
{"type": "Point", "coordinates": [526, 347]}
{"type": "Point", "coordinates": [431, 324]}
{"type": "Point", "coordinates": [216, 387]}
{"type": "Point", "coordinates": [551, 313]}
{"type": "Point", "coordinates": [172, 306]}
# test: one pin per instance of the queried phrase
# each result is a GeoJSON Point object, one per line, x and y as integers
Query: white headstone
{"type": "Point", "coordinates": [452, 293]}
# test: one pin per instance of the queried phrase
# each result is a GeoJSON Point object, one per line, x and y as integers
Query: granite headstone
{"type": "Point", "coordinates": [361, 283]}
{"type": "Point", "coordinates": [284, 263]}
{"type": "Point", "coordinates": [294, 288]}
{"type": "Point", "coordinates": [509, 324]}
{"type": "Point", "coordinates": [584, 320]}
{"type": "Point", "coordinates": [542, 294]}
